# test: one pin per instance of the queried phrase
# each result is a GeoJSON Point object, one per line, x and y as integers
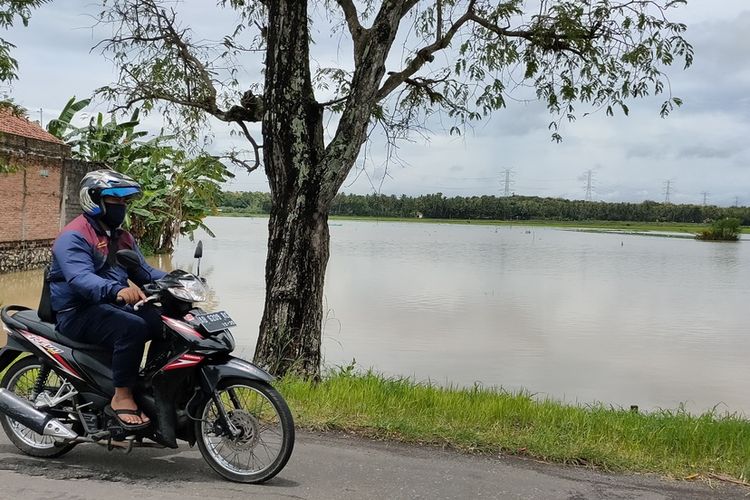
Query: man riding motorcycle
{"type": "Point", "coordinates": [90, 294]}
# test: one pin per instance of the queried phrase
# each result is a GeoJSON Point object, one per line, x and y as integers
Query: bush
{"type": "Point", "coordinates": [727, 229]}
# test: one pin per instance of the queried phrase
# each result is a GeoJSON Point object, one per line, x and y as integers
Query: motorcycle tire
{"type": "Point", "coordinates": [269, 411]}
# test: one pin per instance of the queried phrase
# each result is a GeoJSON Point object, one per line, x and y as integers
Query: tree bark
{"type": "Point", "coordinates": [304, 176]}
{"type": "Point", "coordinates": [290, 331]}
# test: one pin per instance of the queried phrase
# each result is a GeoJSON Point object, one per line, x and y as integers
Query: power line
{"type": "Point", "coordinates": [705, 197]}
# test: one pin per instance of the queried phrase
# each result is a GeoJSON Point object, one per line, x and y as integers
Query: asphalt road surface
{"type": "Point", "coordinates": [328, 466]}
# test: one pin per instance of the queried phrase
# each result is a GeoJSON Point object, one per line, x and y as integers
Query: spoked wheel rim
{"type": "Point", "coordinates": [22, 384]}
{"type": "Point", "coordinates": [261, 438]}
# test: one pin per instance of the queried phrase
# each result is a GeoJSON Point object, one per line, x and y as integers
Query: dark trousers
{"type": "Point", "coordinates": [121, 328]}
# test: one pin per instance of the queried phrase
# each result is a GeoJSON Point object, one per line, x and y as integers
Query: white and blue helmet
{"type": "Point", "coordinates": [99, 183]}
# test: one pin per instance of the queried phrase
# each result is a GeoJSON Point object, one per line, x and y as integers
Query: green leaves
{"type": "Point", "coordinates": [726, 229]}
{"type": "Point", "coordinates": [60, 125]}
{"type": "Point", "coordinates": [9, 10]}
{"type": "Point", "coordinates": [179, 191]}
{"type": "Point", "coordinates": [599, 53]}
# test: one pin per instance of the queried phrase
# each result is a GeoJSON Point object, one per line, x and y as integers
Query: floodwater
{"type": "Point", "coordinates": [583, 317]}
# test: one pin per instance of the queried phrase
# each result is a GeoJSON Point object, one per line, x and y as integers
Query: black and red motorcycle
{"type": "Point", "coordinates": [55, 390]}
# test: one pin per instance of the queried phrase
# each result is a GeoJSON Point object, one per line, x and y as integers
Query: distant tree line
{"type": "Point", "coordinates": [438, 206]}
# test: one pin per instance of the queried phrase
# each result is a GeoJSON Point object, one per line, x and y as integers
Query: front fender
{"type": "Point", "coordinates": [231, 367]}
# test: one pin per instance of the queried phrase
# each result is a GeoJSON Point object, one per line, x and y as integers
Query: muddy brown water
{"type": "Point", "coordinates": [584, 317]}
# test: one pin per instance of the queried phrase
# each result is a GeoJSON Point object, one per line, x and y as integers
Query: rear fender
{"type": "Point", "coordinates": [17, 343]}
{"type": "Point", "coordinates": [9, 354]}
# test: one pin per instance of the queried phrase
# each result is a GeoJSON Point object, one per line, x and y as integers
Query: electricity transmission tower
{"type": "Point", "coordinates": [508, 173]}
{"type": "Point", "coordinates": [667, 190]}
{"type": "Point", "coordinates": [589, 186]}
{"type": "Point", "coordinates": [705, 197]}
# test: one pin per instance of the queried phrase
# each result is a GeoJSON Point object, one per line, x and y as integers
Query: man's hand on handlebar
{"type": "Point", "coordinates": [130, 295]}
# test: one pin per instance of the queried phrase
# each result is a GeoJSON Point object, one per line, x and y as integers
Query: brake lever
{"type": "Point", "coordinates": [145, 301]}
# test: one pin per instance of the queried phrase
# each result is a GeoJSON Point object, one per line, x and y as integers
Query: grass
{"type": "Point", "coordinates": [672, 227]}
{"type": "Point", "coordinates": [672, 443]}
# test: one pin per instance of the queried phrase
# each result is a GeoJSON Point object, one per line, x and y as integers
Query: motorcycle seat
{"type": "Point", "coordinates": [30, 319]}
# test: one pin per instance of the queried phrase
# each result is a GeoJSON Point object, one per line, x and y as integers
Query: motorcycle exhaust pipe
{"type": "Point", "coordinates": [24, 413]}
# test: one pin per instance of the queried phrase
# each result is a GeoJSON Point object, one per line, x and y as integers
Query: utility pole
{"type": "Point", "coordinates": [589, 187]}
{"type": "Point", "coordinates": [508, 181]}
{"type": "Point", "coordinates": [736, 201]}
{"type": "Point", "coordinates": [667, 191]}
{"type": "Point", "coordinates": [705, 197]}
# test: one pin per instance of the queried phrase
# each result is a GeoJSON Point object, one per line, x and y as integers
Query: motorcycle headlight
{"type": "Point", "coordinates": [190, 291]}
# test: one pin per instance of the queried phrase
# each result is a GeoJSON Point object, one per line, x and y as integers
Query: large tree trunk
{"type": "Point", "coordinates": [293, 148]}
{"type": "Point", "coordinates": [304, 177]}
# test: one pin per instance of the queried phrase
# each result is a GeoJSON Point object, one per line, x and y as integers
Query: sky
{"type": "Point", "coordinates": [701, 150]}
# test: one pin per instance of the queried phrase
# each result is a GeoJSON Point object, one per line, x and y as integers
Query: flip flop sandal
{"type": "Point", "coordinates": [125, 425]}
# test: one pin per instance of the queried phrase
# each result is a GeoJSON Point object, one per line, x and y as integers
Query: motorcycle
{"type": "Point", "coordinates": [55, 390]}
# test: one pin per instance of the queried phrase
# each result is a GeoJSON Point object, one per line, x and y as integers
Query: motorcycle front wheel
{"type": "Point", "coordinates": [265, 438]}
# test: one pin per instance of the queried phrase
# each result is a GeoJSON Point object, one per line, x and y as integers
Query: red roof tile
{"type": "Point", "coordinates": [16, 125]}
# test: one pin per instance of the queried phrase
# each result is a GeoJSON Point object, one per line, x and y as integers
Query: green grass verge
{"type": "Point", "coordinates": [672, 443]}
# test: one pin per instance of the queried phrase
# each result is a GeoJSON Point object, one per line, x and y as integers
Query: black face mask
{"type": "Point", "coordinates": [114, 215]}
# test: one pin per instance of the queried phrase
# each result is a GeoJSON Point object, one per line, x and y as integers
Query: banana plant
{"type": "Point", "coordinates": [179, 191]}
{"type": "Point", "coordinates": [60, 126]}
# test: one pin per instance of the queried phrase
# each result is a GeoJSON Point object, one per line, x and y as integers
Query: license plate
{"type": "Point", "coordinates": [215, 321]}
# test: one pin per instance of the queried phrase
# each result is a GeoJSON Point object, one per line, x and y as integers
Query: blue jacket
{"type": "Point", "coordinates": [80, 274]}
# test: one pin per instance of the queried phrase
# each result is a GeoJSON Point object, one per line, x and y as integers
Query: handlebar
{"type": "Point", "coordinates": [145, 301]}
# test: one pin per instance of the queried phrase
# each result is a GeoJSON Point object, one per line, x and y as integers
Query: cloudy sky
{"type": "Point", "coordinates": [704, 147]}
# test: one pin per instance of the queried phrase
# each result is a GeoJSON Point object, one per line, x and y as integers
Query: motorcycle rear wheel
{"type": "Point", "coordinates": [21, 379]}
{"type": "Point", "coordinates": [266, 438]}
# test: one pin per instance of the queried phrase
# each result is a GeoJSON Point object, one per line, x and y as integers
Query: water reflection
{"type": "Point", "coordinates": [622, 319]}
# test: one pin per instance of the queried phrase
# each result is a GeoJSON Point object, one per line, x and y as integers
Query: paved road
{"type": "Point", "coordinates": [327, 467]}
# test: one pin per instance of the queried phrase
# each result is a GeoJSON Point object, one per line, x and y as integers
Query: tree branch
{"type": "Point", "coordinates": [352, 21]}
{"type": "Point", "coordinates": [556, 41]}
{"type": "Point", "coordinates": [426, 85]}
{"type": "Point", "coordinates": [547, 39]}
{"type": "Point", "coordinates": [424, 55]}
{"type": "Point", "coordinates": [148, 44]}
{"type": "Point", "coordinates": [171, 35]}
{"type": "Point", "coordinates": [256, 148]}
{"type": "Point", "coordinates": [232, 156]}
{"type": "Point", "coordinates": [439, 8]}
{"type": "Point", "coordinates": [333, 101]}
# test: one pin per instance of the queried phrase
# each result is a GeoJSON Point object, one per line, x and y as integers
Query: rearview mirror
{"type": "Point", "coordinates": [129, 259]}
{"type": "Point", "coordinates": [199, 250]}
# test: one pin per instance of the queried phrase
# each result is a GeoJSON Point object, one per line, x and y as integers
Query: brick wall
{"type": "Point", "coordinates": [30, 197]}
{"type": "Point", "coordinates": [38, 196]}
